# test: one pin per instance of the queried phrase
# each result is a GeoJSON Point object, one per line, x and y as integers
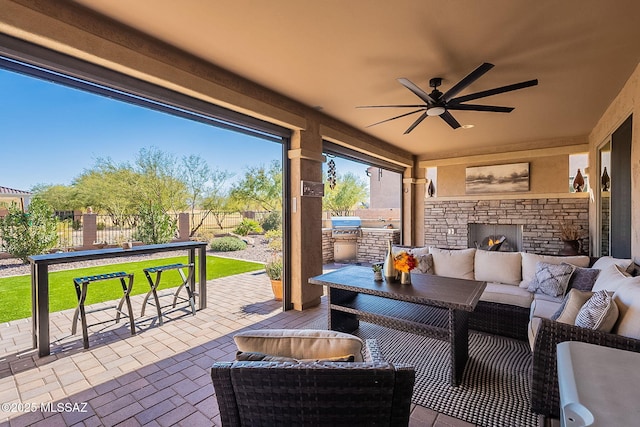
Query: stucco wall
{"type": "Point", "coordinates": [626, 103]}
{"type": "Point", "coordinates": [548, 174]}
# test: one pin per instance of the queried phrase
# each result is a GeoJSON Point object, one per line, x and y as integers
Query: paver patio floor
{"type": "Point", "coordinates": [159, 377]}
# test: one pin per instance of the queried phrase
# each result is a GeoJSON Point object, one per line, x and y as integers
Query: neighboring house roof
{"type": "Point", "coordinates": [12, 192]}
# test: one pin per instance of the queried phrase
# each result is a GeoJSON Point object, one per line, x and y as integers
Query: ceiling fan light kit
{"type": "Point", "coordinates": [439, 104]}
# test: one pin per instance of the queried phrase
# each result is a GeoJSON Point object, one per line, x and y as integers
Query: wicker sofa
{"type": "Point", "coordinates": [515, 316]}
{"type": "Point", "coordinates": [505, 305]}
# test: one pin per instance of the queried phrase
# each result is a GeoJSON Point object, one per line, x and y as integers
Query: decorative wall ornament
{"type": "Point", "coordinates": [497, 179]}
{"type": "Point", "coordinates": [578, 182]}
{"type": "Point", "coordinates": [431, 189]}
{"type": "Point", "coordinates": [331, 174]}
{"type": "Point", "coordinates": [606, 181]}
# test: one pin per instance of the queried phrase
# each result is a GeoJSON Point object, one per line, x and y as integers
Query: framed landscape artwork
{"type": "Point", "coordinates": [497, 179]}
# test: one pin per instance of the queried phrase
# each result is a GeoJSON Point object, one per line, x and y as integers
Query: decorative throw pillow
{"type": "Point", "coordinates": [551, 279]}
{"type": "Point", "coordinates": [583, 279]}
{"type": "Point", "coordinates": [425, 264]}
{"type": "Point", "coordinates": [571, 305]}
{"type": "Point", "coordinates": [600, 312]}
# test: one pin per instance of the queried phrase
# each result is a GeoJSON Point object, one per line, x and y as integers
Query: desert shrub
{"type": "Point", "coordinates": [248, 226]}
{"type": "Point", "coordinates": [101, 226]}
{"type": "Point", "coordinates": [274, 240]}
{"type": "Point", "coordinates": [227, 244]}
{"type": "Point", "coordinates": [155, 226]}
{"type": "Point", "coordinates": [30, 233]}
{"type": "Point", "coordinates": [76, 224]}
{"type": "Point", "coordinates": [273, 221]}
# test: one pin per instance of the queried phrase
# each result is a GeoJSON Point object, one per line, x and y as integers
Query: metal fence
{"type": "Point", "coordinates": [110, 232]}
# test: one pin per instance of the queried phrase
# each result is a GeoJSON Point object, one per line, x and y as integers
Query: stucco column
{"type": "Point", "coordinates": [306, 160]}
{"type": "Point", "coordinates": [413, 190]}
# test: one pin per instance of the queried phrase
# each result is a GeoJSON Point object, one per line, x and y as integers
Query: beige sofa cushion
{"type": "Point", "coordinates": [605, 261]}
{"type": "Point", "coordinates": [544, 306]}
{"type": "Point", "coordinates": [457, 263]}
{"type": "Point", "coordinates": [529, 262]}
{"type": "Point", "coordinates": [627, 297]}
{"type": "Point", "coordinates": [300, 343]}
{"type": "Point", "coordinates": [507, 294]}
{"type": "Point", "coordinates": [612, 277]}
{"type": "Point", "coordinates": [499, 267]}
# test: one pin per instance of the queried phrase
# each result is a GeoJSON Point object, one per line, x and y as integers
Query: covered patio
{"type": "Point", "coordinates": [159, 376]}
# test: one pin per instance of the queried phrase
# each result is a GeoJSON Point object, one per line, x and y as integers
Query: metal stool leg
{"type": "Point", "coordinates": [83, 317]}
{"type": "Point", "coordinates": [125, 298]}
{"type": "Point", "coordinates": [153, 291]}
{"type": "Point", "coordinates": [186, 284]}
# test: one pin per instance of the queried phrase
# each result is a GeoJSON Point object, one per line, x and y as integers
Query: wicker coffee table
{"type": "Point", "coordinates": [433, 306]}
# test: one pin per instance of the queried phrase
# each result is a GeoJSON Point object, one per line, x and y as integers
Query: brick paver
{"type": "Point", "coordinates": [158, 377]}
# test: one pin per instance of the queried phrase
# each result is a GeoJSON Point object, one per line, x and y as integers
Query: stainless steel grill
{"type": "Point", "coordinates": [345, 231]}
{"type": "Point", "coordinates": [346, 227]}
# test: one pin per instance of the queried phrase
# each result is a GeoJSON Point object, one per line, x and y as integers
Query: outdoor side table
{"type": "Point", "coordinates": [82, 285]}
{"type": "Point", "coordinates": [186, 279]}
{"type": "Point", "coordinates": [598, 385]}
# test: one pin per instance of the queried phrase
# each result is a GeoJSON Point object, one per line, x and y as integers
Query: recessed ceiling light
{"type": "Point", "coordinates": [468, 126]}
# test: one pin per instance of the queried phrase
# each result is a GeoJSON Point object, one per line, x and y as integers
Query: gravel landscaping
{"type": "Point", "coordinates": [257, 252]}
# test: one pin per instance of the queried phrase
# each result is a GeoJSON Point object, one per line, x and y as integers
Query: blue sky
{"type": "Point", "coordinates": [50, 133]}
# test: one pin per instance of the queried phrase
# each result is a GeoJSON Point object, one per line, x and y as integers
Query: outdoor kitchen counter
{"type": "Point", "coordinates": [40, 279]}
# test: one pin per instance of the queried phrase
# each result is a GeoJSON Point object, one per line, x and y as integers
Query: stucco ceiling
{"type": "Point", "coordinates": [337, 54]}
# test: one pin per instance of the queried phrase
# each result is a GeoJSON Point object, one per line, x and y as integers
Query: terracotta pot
{"type": "Point", "coordinates": [276, 287]}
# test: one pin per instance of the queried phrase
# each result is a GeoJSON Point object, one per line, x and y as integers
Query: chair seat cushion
{"type": "Point", "coordinates": [300, 344]}
{"type": "Point", "coordinates": [253, 356]}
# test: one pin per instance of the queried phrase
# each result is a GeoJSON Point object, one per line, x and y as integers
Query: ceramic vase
{"type": "Point", "coordinates": [388, 268]}
{"type": "Point", "coordinates": [606, 181]}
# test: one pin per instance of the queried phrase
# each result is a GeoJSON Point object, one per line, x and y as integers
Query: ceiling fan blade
{"type": "Point", "coordinates": [466, 81]}
{"type": "Point", "coordinates": [416, 123]}
{"type": "Point", "coordinates": [495, 91]}
{"type": "Point", "coordinates": [391, 106]}
{"type": "Point", "coordinates": [397, 117]}
{"type": "Point", "coordinates": [416, 90]}
{"type": "Point", "coordinates": [447, 117]}
{"type": "Point", "coordinates": [477, 107]}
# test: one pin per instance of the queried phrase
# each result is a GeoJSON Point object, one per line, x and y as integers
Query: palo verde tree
{"type": "Point", "coordinates": [260, 188]}
{"type": "Point", "coordinates": [218, 201]}
{"type": "Point", "coordinates": [30, 233]}
{"type": "Point", "coordinates": [349, 192]}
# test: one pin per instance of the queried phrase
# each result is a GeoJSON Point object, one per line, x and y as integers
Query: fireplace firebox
{"type": "Point", "coordinates": [495, 237]}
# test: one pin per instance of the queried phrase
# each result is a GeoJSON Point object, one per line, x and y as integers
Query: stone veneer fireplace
{"type": "Point", "coordinates": [447, 221]}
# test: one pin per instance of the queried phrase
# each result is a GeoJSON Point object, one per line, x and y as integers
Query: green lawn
{"type": "Point", "coordinates": [15, 302]}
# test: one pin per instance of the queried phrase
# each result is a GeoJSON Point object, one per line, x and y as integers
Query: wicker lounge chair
{"type": "Point", "coordinates": [545, 396]}
{"type": "Point", "coordinates": [317, 393]}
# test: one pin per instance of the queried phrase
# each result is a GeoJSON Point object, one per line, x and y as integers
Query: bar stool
{"type": "Point", "coordinates": [82, 284]}
{"type": "Point", "coordinates": [186, 279]}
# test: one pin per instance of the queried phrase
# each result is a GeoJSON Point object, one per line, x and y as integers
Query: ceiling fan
{"type": "Point", "coordinates": [437, 103]}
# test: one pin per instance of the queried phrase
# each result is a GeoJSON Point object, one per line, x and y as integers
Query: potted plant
{"type": "Point", "coordinates": [570, 234]}
{"type": "Point", "coordinates": [274, 271]}
{"type": "Point", "coordinates": [377, 272]}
